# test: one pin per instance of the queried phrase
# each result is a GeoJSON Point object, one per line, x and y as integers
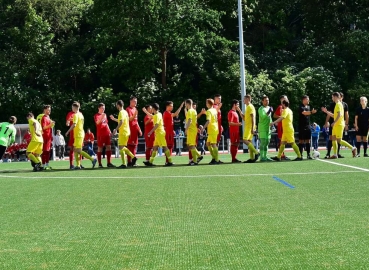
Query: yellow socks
{"type": "Point", "coordinates": [153, 155]}
{"type": "Point", "coordinates": [344, 143]}
{"type": "Point", "coordinates": [194, 153]}
{"type": "Point", "coordinates": [33, 158]}
{"type": "Point", "coordinates": [122, 156]}
{"type": "Point", "coordinates": [296, 149]}
{"type": "Point", "coordinates": [281, 149]}
{"type": "Point", "coordinates": [78, 159]}
{"type": "Point", "coordinates": [335, 146]}
{"type": "Point", "coordinates": [167, 153]}
{"type": "Point", "coordinates": [128, 153]}
{"type": "Point", "coordinates": [85, 155]}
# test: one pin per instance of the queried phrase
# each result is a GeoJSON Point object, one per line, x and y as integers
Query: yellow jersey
{"type": "Point", "coordinates": [158, 120]}
{"type": "Point", "coordinates": [79, 121]}
{"type": "Point", "coordinates": [33, 131]}
{"type": "Point", "coordinates": [192, 114]}
{"type": "Point", "coordinates": [212, 117]}
{"type": "Point", "coordinates": [287, 121]}
{"type": "Point", "coordinates": [124, 128]}
{"type": "Point", "coordinates": [339, 109]}
{"type": "Point", "coordinates": [250, 114]}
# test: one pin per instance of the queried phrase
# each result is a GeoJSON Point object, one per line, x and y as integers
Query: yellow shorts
{"type": "Point", "coordinates": [35, 147]}
{"type": "Point", "coordinates": [160, 140]}
{"type": "Point", "coordinates": [191, 138]}
{"type": "Point", "coordinates": [212, 138]}
{"type": "Point", "coordinates": [338, 131]}
{"type": "Point", "coordinates": [288, 137]}
{"type": "Point", "coordinates": [247, 135]}
{"type": "Point", "coordinates": [78, 143]}
{"type": "Point", "coordinates": [123, 140]}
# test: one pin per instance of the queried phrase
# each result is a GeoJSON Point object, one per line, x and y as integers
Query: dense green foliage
{"type": "Point", "coordinates": [59, 51]}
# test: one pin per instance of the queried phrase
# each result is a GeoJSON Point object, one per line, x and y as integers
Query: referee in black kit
{"type": "Point", "coordinates": [304, 126]}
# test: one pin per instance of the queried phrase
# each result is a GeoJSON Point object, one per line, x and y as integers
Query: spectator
{"type": "Point", "coordinates": [352, 134]}
{"type": "Point", "coordinates": [90, 139]}
{"type": "Point", "coordinates": [27, 136]}
{"type": "Point", "coordinates": [315, 132]}
{"type": "Point", "coordinates": [325, 132]}
{"type": "Point", "coordinates": [202, 137]}
{"type": "Point", "coordinates": [179, 140]}
{"type": "Point", "coordinates": [59, 144]}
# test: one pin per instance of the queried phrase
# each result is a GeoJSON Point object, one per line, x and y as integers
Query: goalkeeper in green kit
{"type": "Point", "coordinates": [265, 119]}
{"type": "Point", "coordinates": [7, 134]}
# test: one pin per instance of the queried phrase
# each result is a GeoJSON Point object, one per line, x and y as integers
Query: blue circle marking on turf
{"type": "Point", "coordinates": [283, 182]}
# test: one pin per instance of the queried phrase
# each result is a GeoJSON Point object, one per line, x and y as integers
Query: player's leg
{"type": "Point", "coordinates": [358, 142]}
{"type": "Point", "coordinates": [108, 152]}
{"type": "Point", "coordinates": [301, 141]}
{"type": "Point", "coordinates": [365, 142]}
{"type": "Point", "coordinates": [169, 138]}
{"type": "Point", "coordinates": [296, 149]}
{"type": "Point", "coordinates": [346, 144]}
{"type": "Point", "coordinates": [78, 144]}
{"type": "Point", "coordinates": [71, 152]}
{"type": "Point", "coordinates": [100, 146]}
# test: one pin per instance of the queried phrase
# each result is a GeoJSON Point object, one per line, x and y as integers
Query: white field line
{"type": "Point", "coordinates": [344, 165]}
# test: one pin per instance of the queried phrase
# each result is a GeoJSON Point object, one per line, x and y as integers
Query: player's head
{"type": "Point", "coordinates": [88, 130]}
{"type": "Point", "coordinates": [209, 103]}
{"type": "Point", "coordinates": [341, 96]}
{"type": "Point", "coordinates": [148, 108]}
{"type": "Point", "coordinates": [305, 100]}
{"type": "Point", "coordinates": [155, 107]}
{"type": "Point", "coordinates": [283, 97]}
{"type": "Point", "coordinates": [75, 106]}
{"type": "Point", "coordinates": [30, 116]}
{"type": "Point", "coordinates": [217, 99]}
{"type": "Point", "coordinates": [363, 101]}
{"type": "Point", "coordinates": [132, 101]}
{"type": "Point", "coordinates": [336, 97]}
{"type": "Point", "coordinates": [47, 109]}
{"type": "Point", "coordinates": [101, 107]}
{"type": "Point", "coordinates": [58, 132]}
{"type": "Point", "coordinates": [235, 104]}
{"type": "Point", "coordinates": [12, 120]}
{"type": "Point", "coordinates": [169, 106]}
{"type": "Point", "coordinates": [201, 127]}
{"type": "Point", "coordinates": [247, 99]}
{"type": "Point", "coordinates": [194, 105]}
{"type": "Point", "coordinates": [265, 100]}
{"type": "Point", "coordinates": [119, 104]}
{"type": "Point", "coordinates": [189, 103]}
{"type": "Point", "coordinates": [285, 104]}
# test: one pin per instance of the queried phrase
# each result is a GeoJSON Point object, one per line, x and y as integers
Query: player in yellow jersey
{"type": "Point", "coordinates": [159, 135]}
{"type": "Point", "coordinates": [250, 127]}
{"type": "Point", "coordinates": [79, 135]}
{"type": "Point", "coordinates": [191, 132]}
{"type": "Point", "coordinates": [288, 136]}
{"type": "Point", "coordinates": [34, 149]}
{"type": "Point", "coordinates": [213, 130]}
{"type": "Point", "coordinates": [124, 132]}
{"type": "Point", "coordinates": [338, 126]}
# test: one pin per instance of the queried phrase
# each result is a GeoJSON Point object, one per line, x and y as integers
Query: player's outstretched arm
{"type": "Point", "coordinates": [240, 112]}
{"type": "Point", "coordinates": [70, 129]}
{"type": "Point", "coordinates": [203, 111]}
{"type": "Point", "coordinates": [147, 113]}
{"type": "Point", "coordinates": [276, 121]}
{"type": "Point", "coordinates": [113, 118]}
{"type": "Point", "coordinates": [178, 111]}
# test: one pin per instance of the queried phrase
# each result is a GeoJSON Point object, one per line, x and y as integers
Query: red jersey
{"type": "Point", "coordinates": [131, 112]}
{"type": "Point", "coordinates": [150, 125]}
{"type": "Point", "coordinates": [102, 129]}
{"type": "Point", "coordinates": [27, 137]}
{"type": "Point", "coordinates": [69, 119]}
{"type": "Point", "coordinates": [233, 117]}
{"type": "Point", "coordinates": [89, 137]}
{"type": "Point", "coordinates": [278, 112]}
{"type": "Point", "coordinates": [168, 122]}
{"type": "Point", "coordinates": [45, 121]}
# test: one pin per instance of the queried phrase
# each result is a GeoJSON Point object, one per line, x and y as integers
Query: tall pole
{"type": "Point", "coordinates": [242, 62]}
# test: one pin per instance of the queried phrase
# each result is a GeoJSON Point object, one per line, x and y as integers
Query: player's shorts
{"type": "Point", "coordinates": [330, 130]}
{"type": "Point", "coordinates": [160, 140]}
{"type": "Point", "coordinates": [149, 141]}
{"type": "Point", "coordinates": [212, 138]}
{"type": "Point", "coordinates": [169, 138]}
{"type": "Point", "coordinates": [191, 138]}
{"type": "Point", "coordinates": [362, 131]}
{"type": "Point", "coordinates": [103, 140]}
{"type": "Point", "coordinates": [35, 147]}
{"type": "Point", "coordinates": [265, 135]}
{"type": "Point", "coordinates": [304, 134]}
{"type": "Point", "coordinates": [234, 137]}
{"type": "Point", "coordinates": [338, 131]}
{"type": "Point", "coordinates": [133, 137]}
{"type": "Point", "coordinates": [78, 143]}
{"type": "Point", "coordinates": [47, 144]}
{"type": "Point", "coordinates": [122, 140]}
{"type": "Point", "coordinates": [247, 135]}
{"type": "Point", "coordinates": [288, 137]}
{"type": "Point", "coordinates": [71, 141]}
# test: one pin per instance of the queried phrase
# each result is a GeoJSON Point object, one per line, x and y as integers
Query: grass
{"type": "Point", "coordinates": [186, 217]}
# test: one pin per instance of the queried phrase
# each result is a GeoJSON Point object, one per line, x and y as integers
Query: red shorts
{"type": "Point", "coordinates": [234, 137]}
{"type": "Point", "coordinates": [149, 141]}
{"type": "Point", "coordinates": [47, 144]}
{"type": "Point", "coordinates": [133, 138]}
{"type": "Point", "coordinates": [103, 140]}
{"type": "Point", "coordinates": [71, 141]}
{"type": "Point", "coordinates": [169, 137]}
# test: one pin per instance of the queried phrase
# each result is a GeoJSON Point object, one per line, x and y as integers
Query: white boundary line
{"type": "Point", "coordinates": [344, 165]}
{"type": "Point", "coordinates": [40, 175]}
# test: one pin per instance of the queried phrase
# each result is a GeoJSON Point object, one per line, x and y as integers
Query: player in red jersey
{"type": "Point", "coordinates": [277, 114]}
{"type": "Point", "coordinates": [103, 135]}
{"type": "Point", "coordinates": [134, 128]}
{"type": "Point", "coordinates": [47, 125]}
{"type": "Point", "coordinates": [149, 140]}
{"type": "Point", "coordinates": [169, 125]}
{"type": "Point", "coordinates": [234, 130]}
{"type": "Point", "coordinates": [69, 122]}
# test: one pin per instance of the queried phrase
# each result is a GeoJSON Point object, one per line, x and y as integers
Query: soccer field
{"type": "Point", "coordinates": [281, 215]}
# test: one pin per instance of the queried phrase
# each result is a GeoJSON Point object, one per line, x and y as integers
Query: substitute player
{"type": "Point", "coordinates": [34, 149]}
{"type": "Point", "coordinates": [191, 132]}
{"type": "Point", "coordinates": [265, 118]}
{"type": "Point", "coordinates": [134, 128]}
{"type": "Point", "coordinates": [213, 130]}
{"type": "Point", "coordinates": [234, 130]}
{"type": "Point", "coordinates": [47, 134]}
{"type": "Point", "coordinates": [277, 114]}
{"type": "Point", "coordinates": [338, 126]}
{"type": "Point", "coordinates": [288, 132]}
{"type": "Point", "coordinates": [159, 136]}
{"type": "Point", "coordinates": [123, 136]}
{"type": "Point", "coordinates": [304, 126]}
{"type": "Point", "coordinates": [149, 140]}
{"type": "Point", "coordinates": [7, 134]}
{"type": "Point", "coordinates": [103, 135]}
{"type": "Point", "coordinates": [362, 126]}
{"type": "Point", "coordinates": [79, 135]}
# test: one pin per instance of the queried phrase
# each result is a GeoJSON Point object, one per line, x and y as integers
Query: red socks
{"type": "Point", "coordinates": [108, 156]}
{"type": "Point", "coordinates": [99, 157]}
{"type": "Point", "coordinates": [190, 155]}
{"type": "Point", "coordinates": [132, 149]}
{"type": "Point", "coordinates": [170, 151]}
{"type": "Point", "coordinates": [71, 158]}
{"type": "Point", "coordinates": [148, 153]}
{"type": "Point", "coordinates": [234, 150]}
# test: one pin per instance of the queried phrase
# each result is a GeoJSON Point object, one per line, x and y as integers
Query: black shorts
{"type": "Point", "coordinates": [363, 131]}
{"type": "Point", "coordinates": [330, 129]}
{"type": "Point", "coordinates": [305, 134]}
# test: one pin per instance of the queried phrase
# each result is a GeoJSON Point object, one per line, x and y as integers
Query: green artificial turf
{"type": "Point", "coordinates": [231, 216]}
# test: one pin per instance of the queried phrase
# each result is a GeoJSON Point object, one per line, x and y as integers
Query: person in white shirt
{"type": "Point", "coordinates": [59, 144]}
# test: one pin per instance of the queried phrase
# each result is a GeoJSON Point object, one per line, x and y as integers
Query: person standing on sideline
{"type": "Point", "coordinates": [134, 129]}
{"type": "Point", "coordinates": [90, 140]}
{"type": "Point", "coordinates": [315, 132]}
{"type": "Point", "coordinates": [7, 134]}
{"type": "Point", "coordinates": [202, 136]}
{"type": "Point", "coordinates": [265, 133]}
{"type": "Point", "coordinates": [234, 130]}
{"type": "Point", "coordinates": [362, 126]}
{"type": "Point", "coordinates": [27, 136]}
{"type": "Point", "coordinates": [277, 114]}
{"type": "Point", "coordinates": [304, 126]}
{"type": "Point", "coordinates": [59, 144]}
{"type": "Point", "coordinates": [338, 126]}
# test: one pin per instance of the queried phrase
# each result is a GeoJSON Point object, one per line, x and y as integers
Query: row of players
{"type": "Point", "coordinates": [157, 132]}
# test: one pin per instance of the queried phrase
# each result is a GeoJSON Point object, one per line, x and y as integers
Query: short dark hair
{"type": "Point", "coordinates": [12, 119]}
{"type": "Point", "coordinates": [286, 103]}
{"type": "Point", "coordinates": [283, 96]}
{"type": "Point", "coordinates": [155, 106]}
{"type": "Point", "coordinates": [47, 107]}
{"type": "Point", "coordinates": [147, 106]}
{"type": "Point", "coordinates": [234, 101]}
{"type": "Point", "coordinates": [76, 104]}
{"type": "Point", "coordinates": [194, 103]}
{"type": "Point", "coordinates": [189, 101]}
{"type": "Point", "coordinates": [248, 97]}
{"type": "Point", "coordinates": [120, 103]}
{"type": "Point", "coordinates": [304, 96]}
{"type": "Point", "coordinates": [217, 95]}
{"type": "Point", "coordinates": [210, 101]}
{"type": "Point", "coordinates": [336, 94]}
{"type": "Point", "coordinates": [168, 103]}
{"type": "Point", "coordinates": [101, 104]}
{"type": "Point", "coordinates": [264, 97]}
{"type": "Point", "coordinates": [30, 114]}
{"type": "Point", "coordinates": [341, 94]}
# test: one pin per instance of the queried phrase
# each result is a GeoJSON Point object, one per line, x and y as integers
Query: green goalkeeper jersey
{"type": "Point", "coordinates": [264, 119]}
{"type": "Point", "coordinates": [7, 134]}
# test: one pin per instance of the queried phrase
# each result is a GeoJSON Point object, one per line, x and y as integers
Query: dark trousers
{"type": "Point", "coordinates": [60, 151]}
